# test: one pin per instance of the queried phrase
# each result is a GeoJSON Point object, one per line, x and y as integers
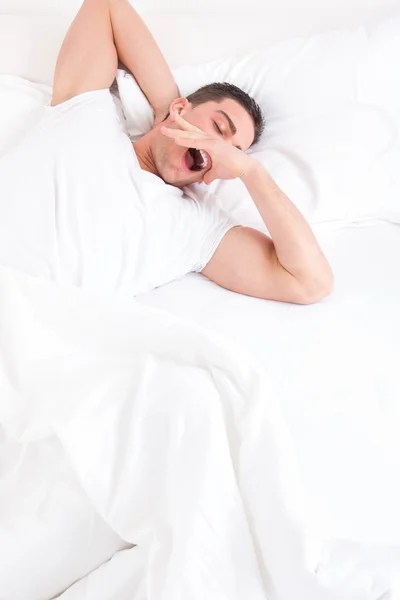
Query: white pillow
{"type": "Point", "coordinates": [21, 106]}
{"type": "Point", "coordinates": [332, 107]}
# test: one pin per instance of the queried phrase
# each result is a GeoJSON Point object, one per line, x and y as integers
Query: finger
{"type": "Point", "coordinates": [208, 177]}
{"type": "Point", "coordinates": [178, 133]}
{"type": "Point", "coordinates": [202, 144]}
{"type": "Point", "coordinates": [184, 124]}
{"type": "Point", "coordinates": [189, 143]}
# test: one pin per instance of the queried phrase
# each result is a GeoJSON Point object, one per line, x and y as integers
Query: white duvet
{"type": "Point", "coordinates": [174, 438]}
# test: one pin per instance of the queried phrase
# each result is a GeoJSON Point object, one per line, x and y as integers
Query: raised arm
{"type": "Point", "coordinates": [138, 50]}
{"type": "Point", "coordinates": [102, 32]}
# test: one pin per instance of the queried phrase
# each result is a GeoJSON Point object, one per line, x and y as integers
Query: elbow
{"type": "Point", "coordinates": [317, 289]}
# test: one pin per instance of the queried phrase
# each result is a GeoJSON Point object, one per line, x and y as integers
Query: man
{"type": "Point", "coordinates": [118, 211]}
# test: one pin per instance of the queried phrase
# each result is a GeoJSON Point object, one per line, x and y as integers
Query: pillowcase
{"type": "Point", "coordinates": [332, 108]}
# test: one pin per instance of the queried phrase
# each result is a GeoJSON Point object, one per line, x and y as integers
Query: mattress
{"type": "Point", "coordinates": [334, 368]}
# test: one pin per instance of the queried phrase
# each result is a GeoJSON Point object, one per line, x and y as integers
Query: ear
{"type": "Point", "coordinates": [179, 106]}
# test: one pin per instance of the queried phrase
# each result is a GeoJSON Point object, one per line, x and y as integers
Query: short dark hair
{"type": "Point", "coordinates": [216, 92]}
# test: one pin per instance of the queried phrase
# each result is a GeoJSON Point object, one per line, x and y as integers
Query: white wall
{"type": "Point", "coordinates": [215, 28]}
{"type": "Point", "coordinates": [31, 31]}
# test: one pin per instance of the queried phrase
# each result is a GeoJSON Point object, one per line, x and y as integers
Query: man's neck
{"type": "Point", "coordinates": [144, 154]}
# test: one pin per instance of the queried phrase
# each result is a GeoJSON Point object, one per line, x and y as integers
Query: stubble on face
{"type": "Point", "coordinates": [168, 160]}
{"type": "Point", "coordinates": [160, 156]}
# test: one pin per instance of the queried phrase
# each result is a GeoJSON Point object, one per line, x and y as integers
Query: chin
{"type": "Point", "coordinates": [172, 179]}
{"type": "Point", "coordinates": [178, 179]}
{"type": "Point", "coordinates": [179, 175]}
{"type": "Point", "coordinates": [182, 184]}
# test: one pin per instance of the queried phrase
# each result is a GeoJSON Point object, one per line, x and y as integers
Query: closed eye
{"type": "Point", "coordinates": [217, 128]}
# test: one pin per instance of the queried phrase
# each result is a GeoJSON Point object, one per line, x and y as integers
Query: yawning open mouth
{"type": "Point", "coordinates": [197, 160]}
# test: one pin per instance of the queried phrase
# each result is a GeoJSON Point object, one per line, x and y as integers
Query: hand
{"type": "Point", "coordinates": [227, 162]}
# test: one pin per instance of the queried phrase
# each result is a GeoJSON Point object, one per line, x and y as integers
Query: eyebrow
{"type": "Point", "coordinates": [231, 124]}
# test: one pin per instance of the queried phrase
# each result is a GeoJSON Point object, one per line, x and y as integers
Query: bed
{"type": "Point", "coordinates": [331, 368]}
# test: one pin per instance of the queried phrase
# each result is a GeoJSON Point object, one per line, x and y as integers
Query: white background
{"type": "Point", "coordinates": [31, 31]}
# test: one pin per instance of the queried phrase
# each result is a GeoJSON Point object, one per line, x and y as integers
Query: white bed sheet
{"type": "Point", "coordinates": [334, 368]}
{"type": "Point", "coordinates": [122, 578]}
{"type": "Point", "coordinates": [50, 533]}
{"type": "Point", "coordinates": [167, 430]}
{"type": "Point", "coordinates": [178, 443]}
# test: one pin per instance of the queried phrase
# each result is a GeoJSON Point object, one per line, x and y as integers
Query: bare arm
{"type": "Point", "coordinates": [102, 32]}
{"type": "Point", "coordinates": [295, 249]}
{"type": "Point", "coordinates": [138, 50]}
{"type": "Point", "coordinates": [290, 267]}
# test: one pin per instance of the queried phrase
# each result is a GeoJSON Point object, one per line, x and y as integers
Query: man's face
{"type": "Point", "coordinates": [227, 119]}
